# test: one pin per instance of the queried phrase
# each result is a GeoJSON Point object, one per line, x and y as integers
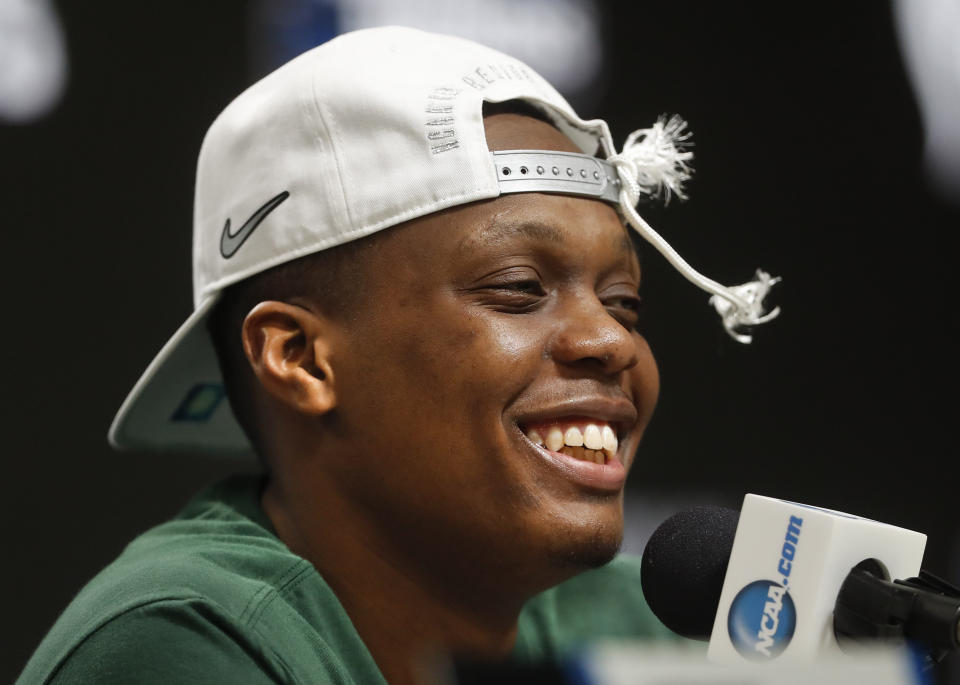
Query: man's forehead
{"type": "Point", "coordinates": [503, 228]}
{"type": "Point", "coordinates": [500, 230]}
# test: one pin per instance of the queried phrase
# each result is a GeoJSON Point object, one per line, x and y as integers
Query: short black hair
{"type": "Point", "coordinates": [333, 279]}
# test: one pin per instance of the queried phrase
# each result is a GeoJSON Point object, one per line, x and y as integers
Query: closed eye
{"type": "Point", "coordinates": [512, 291]}
{"type": "Point", "coordinates": [625, 309]}
{"type": "Point", "coordinates": [631, 303]}
{"type": "Point", "coordinates": [531, 287]}
{"type": "Point", "coordinates": [515, 297]}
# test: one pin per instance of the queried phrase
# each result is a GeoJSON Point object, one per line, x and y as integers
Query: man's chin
{"type": "Point", "coordinates": [585, 549]}
{"type": "Point", "coordinates": [585, 558]}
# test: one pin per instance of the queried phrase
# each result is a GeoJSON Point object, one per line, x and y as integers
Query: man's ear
{"type": "Point", "coordinates": [288, 350]}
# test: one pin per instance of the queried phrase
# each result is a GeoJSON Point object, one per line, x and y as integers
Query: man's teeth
{"type": "Point", "coordinates": [573, 437]}
{"type": "Point", "coordinates": [554, 439]}
{"type": "Point", "coordinates": [594, 443]}
{"type": "Point", "coordinates": [591, 438]}
{"type": "Point", "coordinates": [609, 439]}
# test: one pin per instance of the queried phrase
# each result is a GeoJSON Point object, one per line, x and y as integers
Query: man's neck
{"type": "Point", "coordinates": [404, 606]}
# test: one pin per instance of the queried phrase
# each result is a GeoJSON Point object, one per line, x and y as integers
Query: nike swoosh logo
{"type": "Point", "coordinates": [231, 242]}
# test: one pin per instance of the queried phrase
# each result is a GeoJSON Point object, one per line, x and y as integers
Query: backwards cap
{"type": "Point", "coordinates": [364, 132]}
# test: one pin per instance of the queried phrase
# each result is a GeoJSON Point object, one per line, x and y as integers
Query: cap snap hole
{"type": "Point", "coordinates": [523, 170]}
{"type": "Point", "coordinates": [506, 171]}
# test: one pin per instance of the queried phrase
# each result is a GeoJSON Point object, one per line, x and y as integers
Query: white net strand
{"type": "Point", "coordinates": [655, 163]}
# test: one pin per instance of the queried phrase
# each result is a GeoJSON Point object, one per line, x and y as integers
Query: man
{"type": "Point", "coordinates": [433, 351]}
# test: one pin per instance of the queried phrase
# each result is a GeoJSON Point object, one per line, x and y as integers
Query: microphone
{"type": "Point", "coordinates": [781, 578]}
{"type": "Point", "coordinates": [683, 567]}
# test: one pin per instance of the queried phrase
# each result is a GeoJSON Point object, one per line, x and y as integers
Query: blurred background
{"type": "Point", "coordinates": [827, 152]}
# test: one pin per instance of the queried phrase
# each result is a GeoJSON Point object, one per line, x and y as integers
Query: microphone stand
{"type": "Point", "coordinates": [924, 611]}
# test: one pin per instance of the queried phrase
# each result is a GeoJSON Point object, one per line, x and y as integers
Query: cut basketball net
{"type": "Point", "coordinates": [655, 163]}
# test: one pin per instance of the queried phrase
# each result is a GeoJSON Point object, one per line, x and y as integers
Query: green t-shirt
{"type": "Point", "coordinates": [214, 596]}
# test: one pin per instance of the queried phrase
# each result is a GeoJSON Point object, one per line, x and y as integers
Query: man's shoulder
{"type": "Point", "coordinates": [217, 550]}
{"type": "Point", "coordinates": [209, 573]}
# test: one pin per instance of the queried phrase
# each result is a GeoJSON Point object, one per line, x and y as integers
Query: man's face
{"type": "Point", "coordinates": [486, 326]}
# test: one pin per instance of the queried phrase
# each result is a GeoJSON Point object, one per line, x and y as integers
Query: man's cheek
{"type": "Point", "coordinates": [516, 338]}
{"type": "Point", "coordinates": [497, 359]}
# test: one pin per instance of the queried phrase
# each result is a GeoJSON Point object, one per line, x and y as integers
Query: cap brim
{"type": "Point", "coordinates": [179, 402]}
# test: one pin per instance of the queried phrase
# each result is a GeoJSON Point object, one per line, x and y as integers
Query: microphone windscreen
{"type": "Point", "coordinates": [684, 565]}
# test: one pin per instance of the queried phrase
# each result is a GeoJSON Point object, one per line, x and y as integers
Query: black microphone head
{"type": "Point", "coordinates": [684, 565]}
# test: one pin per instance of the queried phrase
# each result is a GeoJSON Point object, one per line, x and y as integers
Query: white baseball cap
{"type": "Point", "coordinates": [364, 132]}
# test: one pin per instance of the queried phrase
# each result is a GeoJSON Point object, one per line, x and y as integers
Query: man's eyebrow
{"type": "Point", "coordinates": [497, 231]}
{"type": "Point", "coordinates": [534, 229]}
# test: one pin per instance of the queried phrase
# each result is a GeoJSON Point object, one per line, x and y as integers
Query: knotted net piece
{"type": "Point", "coordinates": [654, 164]}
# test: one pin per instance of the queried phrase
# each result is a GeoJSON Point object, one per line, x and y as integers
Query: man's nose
{"type": "Point", "coordinates": [589, 336]}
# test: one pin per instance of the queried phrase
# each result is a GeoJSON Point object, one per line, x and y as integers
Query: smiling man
{"type": "Point", "coordinates": [414, 282]}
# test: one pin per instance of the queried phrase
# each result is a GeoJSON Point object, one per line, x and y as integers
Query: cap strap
{"type": "Point", "coordinates": [567, 173]}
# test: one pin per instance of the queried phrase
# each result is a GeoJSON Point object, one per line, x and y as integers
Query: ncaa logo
{"type": "Point", "coordinates": [761, 621]}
